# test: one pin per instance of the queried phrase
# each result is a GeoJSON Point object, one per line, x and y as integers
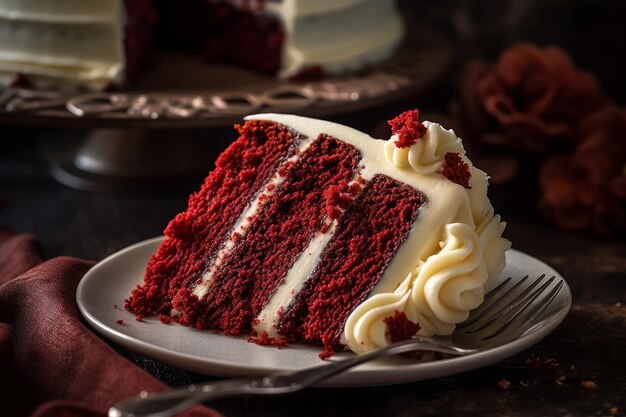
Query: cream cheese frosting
{"type": "Point", "coordinates": [454, 252]}
{"type": "Point", "coordinates": [337, 35]}
{"type": "Point", "coordinates": [65, 44]}
{"type": "Point", "coordinates": [74, 44]}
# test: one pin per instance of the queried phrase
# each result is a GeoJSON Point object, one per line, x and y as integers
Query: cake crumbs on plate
{"type": "Point", "coordinates": [165, 319]}
{"type": "Point", "coordinates": [504, 384]}
{"type": "Point", "coordinates": [589, 385]}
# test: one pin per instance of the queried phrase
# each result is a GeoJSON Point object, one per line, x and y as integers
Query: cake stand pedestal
{"type": "Point", "coordinates": [137, 160]}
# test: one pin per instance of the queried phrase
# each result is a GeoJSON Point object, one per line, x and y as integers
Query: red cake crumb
{"type": "Point", "coordinates": [589, 385]}
{"type": "Point", "coordinates": [327, 353]}
{"type": "Point", "coordinates": [339, 197]}
{"type": "Point", "coordinates": [139, 317]}
{"type": "Point", "coordinates": [408, 128]}
{"type": "Point", "coordinates": [400, 327]}
{"type": "Point", "coordinates": [266, 340]}
{"type": "Point", "coordinates": [165, 319]}
{"type": "Point", "coordinates": [504, 384]}
{"type": "Point", "coordinates": [456, 170]}
{"type": "Point", "coordinates": [120, 322]}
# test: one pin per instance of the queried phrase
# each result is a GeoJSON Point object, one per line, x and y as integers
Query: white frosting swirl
{"type": "Point", "coordinates": [488, 227]}
{"type": "Point", "coordinates": [365, 329]}
{"type": "Point", "coordinates": [437, 295]}
{"type": "Point", "coordinates": [397, 156]}
{"type": "Point", "coordinates": [426, 155]}
{"type": "Point", "coordinates": [477, 193]}
{"type": "Point", "coordinates": [494, 246]}
{"type": "Point", "coordinates": [450, 283]}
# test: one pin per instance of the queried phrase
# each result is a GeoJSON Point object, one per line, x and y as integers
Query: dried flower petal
{"type": "Point", "coordinates": [537, 96]}
{"type": "Point", "coordinates": [587, 190]}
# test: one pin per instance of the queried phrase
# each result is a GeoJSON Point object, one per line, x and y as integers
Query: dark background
{"type": "Point", "coordinates": [589, 344]}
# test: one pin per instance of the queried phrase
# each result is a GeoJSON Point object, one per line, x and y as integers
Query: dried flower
{"type": "Point", "coordinates": [531, 100]}
{"type": "Point", "coordinates": [587, 189]}
{"type": "Point", "coordinates": [537, 95]}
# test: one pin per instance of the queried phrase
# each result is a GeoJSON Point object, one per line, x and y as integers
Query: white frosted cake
{"type": "Point", "coordinates": [72, 44]}
{"type": "Point", "coordinates": [98, 44]}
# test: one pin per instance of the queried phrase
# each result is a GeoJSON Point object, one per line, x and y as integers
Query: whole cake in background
{"type": "Point", "coordinates": [94, 45]}
{"type": "Point", "coordinates": [75, 44]}
{"type": "Point", "coordinates": [308, 231]}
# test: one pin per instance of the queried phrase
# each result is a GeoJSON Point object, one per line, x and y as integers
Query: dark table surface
{"type": "Point", "coordinates": [578, 370]}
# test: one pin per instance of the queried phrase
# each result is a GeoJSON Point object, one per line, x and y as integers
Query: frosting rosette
{"type": "Point", "coordinates": [440, 292]}
{"type": "Point", "coordinates": [450, 283]}
{"type": "Point", "coordinates": [494, 246]}
{"type": "Point", "coordinates": [427, 155]}
{"type": "Point", "coordinates": [366, 328]}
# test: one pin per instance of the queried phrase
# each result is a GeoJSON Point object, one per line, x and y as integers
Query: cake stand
{"type": "Point", "coordinates": [155, 135]}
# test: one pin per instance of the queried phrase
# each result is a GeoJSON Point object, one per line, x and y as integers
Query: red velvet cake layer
{"type": "Point", "coordinates": [195, 236]}
{"type": "Point", "coordinates": [139, 27]}
{"type": "Point", "coordinates": [222, 32]}
{"type": "Point", "coordinates": [278, 234]}
{"type": "Point", "coordinates": [369, 235]}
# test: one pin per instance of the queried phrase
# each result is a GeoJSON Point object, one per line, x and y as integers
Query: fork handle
{"type": "Point", "coordinates": [166, 404]}
{"type": "Point", "coordinates": [169, 403]}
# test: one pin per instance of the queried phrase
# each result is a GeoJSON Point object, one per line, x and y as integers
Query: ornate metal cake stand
{"type": "Point", "coordinates": [136, 137]}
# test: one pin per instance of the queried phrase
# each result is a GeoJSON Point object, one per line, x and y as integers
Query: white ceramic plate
{"type": "Point", "coordinates": [110, 282]}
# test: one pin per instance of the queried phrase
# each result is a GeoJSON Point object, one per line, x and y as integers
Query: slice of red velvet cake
{"type": "Point", "coordinates": [312, 232]}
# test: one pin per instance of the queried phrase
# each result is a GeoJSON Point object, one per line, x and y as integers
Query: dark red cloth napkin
{"type": "Point", "coordinates": [51, 364]}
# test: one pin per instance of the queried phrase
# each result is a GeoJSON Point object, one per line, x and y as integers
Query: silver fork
{"type": "Point", "coordinates": [505, 314]}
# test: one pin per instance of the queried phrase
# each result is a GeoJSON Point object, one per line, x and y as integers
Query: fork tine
{"type": "Point", "coordinates": [519, 302]}
{"type": "Point", "coordinates": [500, 288]}
{"type": "Point", "coordinates": [501, 299]}
{"type": "Point", "coordinates": [533, 313]}
{"type": "Point", "coordinates": [497, 294]}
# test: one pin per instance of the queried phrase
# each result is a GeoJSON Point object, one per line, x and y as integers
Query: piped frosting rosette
{"type": "Point", "coordinates": [447, 283]}
{"type": "Point", "coordinates": [426, 155]}
{"type": "Point", "coordinates": [439, 293]}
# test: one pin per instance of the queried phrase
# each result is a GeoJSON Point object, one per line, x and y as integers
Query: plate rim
{"type": "Point", "coordinates": [378, 372]}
